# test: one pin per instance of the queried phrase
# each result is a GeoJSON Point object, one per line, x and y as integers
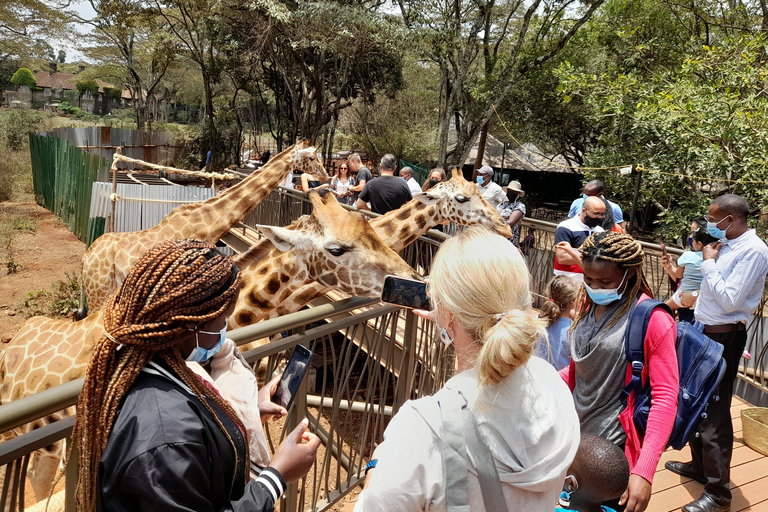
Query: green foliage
{"type": "Point", "coordinates": [16, 126]}
{"type": "Point", "coordinates": [88, 85]}
{"type": "Point", "coordinates": [60, 301]}
{"type": "Point", "coordinates": [23, 76]}
{"type": "Point", "coordinates": [113, 92]}
{"type": "Point", "coordinates": [68, 108]}
{"type": "Point", "coordinates": [700, 129]}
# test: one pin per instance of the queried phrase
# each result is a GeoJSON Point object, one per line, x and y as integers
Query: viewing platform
{"type": "Point", "coordinates": [749, 475]}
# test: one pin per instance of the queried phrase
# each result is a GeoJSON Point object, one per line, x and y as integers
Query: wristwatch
{"type": "Point", "coordinates": [695, 293]}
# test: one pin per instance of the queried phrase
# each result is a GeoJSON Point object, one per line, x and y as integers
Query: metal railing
{"type": "Point", "coordinates": [285, 205]}
{"type": "Point", "coordinates": [368, 360]}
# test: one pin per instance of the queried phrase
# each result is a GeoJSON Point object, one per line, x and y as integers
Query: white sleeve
{"type": "Point", "coordinates": [409, 473]}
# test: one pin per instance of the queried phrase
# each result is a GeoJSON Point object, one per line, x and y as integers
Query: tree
{"type": "Point", "coordinates": [62, 57]}
{"type": "Point", "coordinates": [483, 49]}
{"type": "Point", "coordinates": [23, 76]}
{"type": "Point", "coordinates": [133, 49]}
{"type": "Point", "coordinates": [319, 56]}
{"type": "Point", "coordinates": [23, 23]}
{"type": "Point", "coordinates": [700, 130]}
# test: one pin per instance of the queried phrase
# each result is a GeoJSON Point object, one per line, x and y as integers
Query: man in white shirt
{"type": "Point", "coordinates": [734, 271]}
{"type": "Point", "coordinates": [406, 173]}
{"type": "Point", "coordinates": [491, 191]}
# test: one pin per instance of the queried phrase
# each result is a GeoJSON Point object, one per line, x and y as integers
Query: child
{"type": "Point", "coordinates": [563, 292]}
{"type": "Point", "coordinates": [688, 266]}
{"type": "Point", "coordinates": [599, 473]}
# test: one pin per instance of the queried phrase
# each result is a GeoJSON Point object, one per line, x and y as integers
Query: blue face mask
{"type": "Point", "coordinates": [603, 297]}
{"type": "Point", "coordinates": [480, 179]}
{"type": "Point", "coordinates": [690, 242]}
{"type": "Point", "coordinates": [200, 354]}
{"type": "Point", "coordinates": [715, 231]}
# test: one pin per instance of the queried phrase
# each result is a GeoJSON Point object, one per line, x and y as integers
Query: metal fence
{"type": "Point", "coordinates": [285, 205]}
{"type": "Point", "coordinates": [148, 145]}
{"type": "Point", "coordinates": [368, 360]}
{"type": "Point", "coordinates": [63, 176]}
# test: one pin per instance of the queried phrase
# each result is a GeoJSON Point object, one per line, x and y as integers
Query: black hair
{"type": "Point", "coordinates": [597, 185]}
{"type": "Point", "coordinates": [700, 234]}
{"type": "Point", "coordinates": [601, 470]}
{"type": "Point", "coordinates": [733, 205]}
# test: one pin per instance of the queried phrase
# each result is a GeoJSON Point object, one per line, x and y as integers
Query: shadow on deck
{"type": "Point", "coordinates": [749, 475]}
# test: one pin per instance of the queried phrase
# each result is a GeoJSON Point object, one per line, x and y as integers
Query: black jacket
{"type": "Point", "coordinates": [166, 452]}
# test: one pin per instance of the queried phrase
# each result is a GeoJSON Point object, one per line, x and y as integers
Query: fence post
{"type": "Point", "coordinates": [113, 198]}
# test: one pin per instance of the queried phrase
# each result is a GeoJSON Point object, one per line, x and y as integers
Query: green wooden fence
{"type": "Point", "coordinates": [63, 176]}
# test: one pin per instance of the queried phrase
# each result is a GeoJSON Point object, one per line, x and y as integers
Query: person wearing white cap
{"type": "Point", "coordinates": [491, 191]}
{"type": "Point", "coordinates": [512, 209]}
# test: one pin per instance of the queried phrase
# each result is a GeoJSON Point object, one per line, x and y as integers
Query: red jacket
{"type": "Point", "coordinates": [644, 454]}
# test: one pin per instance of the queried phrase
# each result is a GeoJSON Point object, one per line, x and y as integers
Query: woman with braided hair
{"type": "Point", "coordinates": [614, 282]}
{"type": "Point", "coordinates": [151, 434]}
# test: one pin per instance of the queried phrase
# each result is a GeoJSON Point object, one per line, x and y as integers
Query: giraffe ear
{"type": "Point", "coordinates": [429, 197]}
{"type": "Point", "coordinates": [283, 238]}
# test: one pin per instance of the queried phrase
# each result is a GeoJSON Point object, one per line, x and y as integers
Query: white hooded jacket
{"type": "Point", "coordinates": [528, 421]}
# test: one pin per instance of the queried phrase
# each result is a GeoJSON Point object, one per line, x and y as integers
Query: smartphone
{"type": "Point", "coordinates": [405, 292]}
{"type": "Point", "coordinates": [294, 373]}
{"type": "Point", "coordinates": [663, 249]}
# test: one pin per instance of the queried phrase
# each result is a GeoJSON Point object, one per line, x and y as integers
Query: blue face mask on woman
{"type": "Point", "coordinates": [480, 180]}
{"type": "Point", "coordinates": [200, 354]}
{"type": "Point", "coordinates": [603, 297]}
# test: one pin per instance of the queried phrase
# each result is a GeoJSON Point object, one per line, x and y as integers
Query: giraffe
{"type": "Point", "coordinates": [456, 200]}
{"type": "Point", "coordinates": [48, 352]}
{"type": "Point", "coordinates": [109, 259]}
{"type": "Point", "coordinates": [331, 249]}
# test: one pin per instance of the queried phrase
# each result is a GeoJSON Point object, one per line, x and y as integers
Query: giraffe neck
{"type": "Point", "coordinates": [277, 285]}
{"type": "Point", "coordinates": [403, 226]}
{"type": "Point", "coordinates": [211, 219]}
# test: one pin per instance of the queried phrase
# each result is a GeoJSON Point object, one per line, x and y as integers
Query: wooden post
{"type": "Point", "coordinates": [113, 197]}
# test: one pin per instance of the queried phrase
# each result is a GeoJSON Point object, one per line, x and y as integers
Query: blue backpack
{"type": "Point", "coordinates": [701, 364]}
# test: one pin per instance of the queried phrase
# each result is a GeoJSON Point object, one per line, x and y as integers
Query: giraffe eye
{"type": "Point", "coordinates": [336, 250]}
{"type": "Point", "coordinates": [461, 199]}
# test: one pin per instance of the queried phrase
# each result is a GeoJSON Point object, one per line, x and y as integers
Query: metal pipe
{"type": "Point", "coordinates": [346, 405]}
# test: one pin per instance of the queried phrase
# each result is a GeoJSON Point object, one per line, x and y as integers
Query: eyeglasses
{"type": "Point", "coordinates": [340, 168]}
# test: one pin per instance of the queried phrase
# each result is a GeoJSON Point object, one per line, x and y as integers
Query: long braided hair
{"type": "Point", "coordinates": [177, 286]}
{"type": "Point", "coordinates": [623, 251]}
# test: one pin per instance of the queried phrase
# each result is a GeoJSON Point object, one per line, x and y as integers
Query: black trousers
{"type": "Point", "coordinates": [712, 450]}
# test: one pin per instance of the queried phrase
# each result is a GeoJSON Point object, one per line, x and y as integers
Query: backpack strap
{"type": "Point", "coordinates": [460, 437]}
{"type": "Point", "coordinates": [634, 342]}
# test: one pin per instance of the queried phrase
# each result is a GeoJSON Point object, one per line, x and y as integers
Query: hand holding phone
{"type": "Point", "coordinates": [405, 292]}
{"type": "Point", "coordinates": [292, 377]}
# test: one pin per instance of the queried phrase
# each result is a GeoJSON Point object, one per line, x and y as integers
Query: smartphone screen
{"type": "Point", "coordinates": [663, 249]}
{"type": "Point", "coordinates": [294, 373]}
{"type": "Point", "coordinates": [405, 292]}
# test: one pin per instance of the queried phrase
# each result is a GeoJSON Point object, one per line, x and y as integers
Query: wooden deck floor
{"type": "Point", "coordinates": [749, 476]}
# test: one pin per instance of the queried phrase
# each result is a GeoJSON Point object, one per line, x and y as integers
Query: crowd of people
{"type": "Point", "coordinates": [531, 419]}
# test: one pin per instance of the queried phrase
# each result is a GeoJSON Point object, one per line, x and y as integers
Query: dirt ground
{"type": "Point", "coordinates": [44, 256]}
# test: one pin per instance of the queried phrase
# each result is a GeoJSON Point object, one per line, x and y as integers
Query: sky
{"type": "Point", "coordinates": [85, 10]}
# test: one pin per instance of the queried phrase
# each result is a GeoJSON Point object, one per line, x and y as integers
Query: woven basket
{"type": "Point", "coordinates": [754, 423]}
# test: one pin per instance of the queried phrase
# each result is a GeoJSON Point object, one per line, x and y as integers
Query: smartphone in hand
{"type": "Point", "coordinates": [294, 373]}
{"type": "Point", "coordinates": [663, 249]}
{"type": "Point", "coordinates": [405, 292]}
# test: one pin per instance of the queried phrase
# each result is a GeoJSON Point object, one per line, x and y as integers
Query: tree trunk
{"type": "Point", "coordinates": [211, 124]}
{"type": "Point", "coordinates": [481, 145]}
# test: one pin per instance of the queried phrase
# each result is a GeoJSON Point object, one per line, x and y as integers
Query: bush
{"type": "Point", "coordinates": [60, 301]}
{"type": "Point", "coordinates": [23, 76]}
{"type": "Point", "coordinates": [69, 109]}
{"type": "Point", "coordinates": [17, 124]}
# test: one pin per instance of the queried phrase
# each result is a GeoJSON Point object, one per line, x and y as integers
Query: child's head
{"type": "Point", "coordinates": [699, 235]}
{"type": "Point", "coordinates": [562, 292]}
{"type": "Point", "coordinates": [601, 473]}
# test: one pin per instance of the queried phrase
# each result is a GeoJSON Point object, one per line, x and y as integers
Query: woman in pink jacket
{"type": "Point", "coordinates": [614, 282]}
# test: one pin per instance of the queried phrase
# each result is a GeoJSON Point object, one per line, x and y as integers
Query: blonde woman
{"type": "Point", "coordinates": [479, 287]}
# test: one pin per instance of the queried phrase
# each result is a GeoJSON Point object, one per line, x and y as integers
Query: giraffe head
{"type": "Point", "coordinates": [338, 248]}
{"type": "Point", "coordinates": [457, 200]}
{"type": "Point", "coordinates": [308, 160]}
